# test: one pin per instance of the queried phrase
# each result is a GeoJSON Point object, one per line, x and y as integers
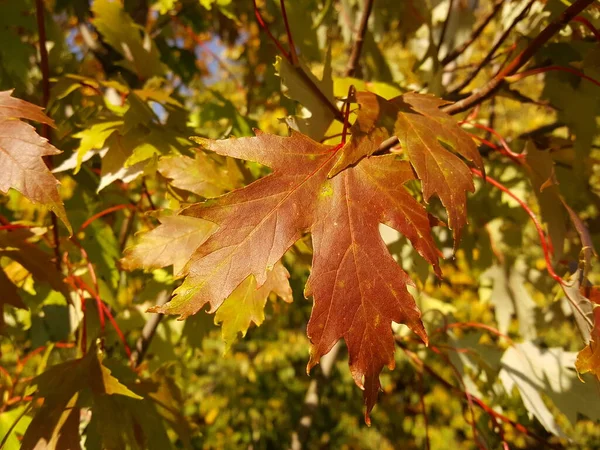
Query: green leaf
{"type": "Point", "coordinates": [316, 120]}
{"type": "Point", "coordinates": [123, 34]}
{"type": "Point", "coordinates": [171, 243]}
{"type": "Point", "coordinates": [201, 175]}
{"type": "Point", "coordinates": [246, 303]}
{"type": "Point", "coordinates": [535, 371]}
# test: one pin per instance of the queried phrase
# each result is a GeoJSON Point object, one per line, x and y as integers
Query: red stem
{"type": "Point", "coordinates": [527, 73]}
{"type": "Point", "coordinates": [589, 26]}
{"type": "Point", "coordinates": [351, 92]}
{"type": "Point", "coordinates": [507, 151]}
{"type": "Point", "coordinates": [265, 27]}
{"type": "Point", "coordinates": [293, 54]}
{"type": "Point", "coordinates": [16, 226]}
{"type": "Point", "coordinates": [103, 213]}
{"type": "Point", "coordinates": [534, 219]}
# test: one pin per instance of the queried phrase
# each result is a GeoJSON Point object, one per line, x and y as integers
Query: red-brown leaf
{"type": "Point", "coordinates": [424, 132]}
{"type": "Point", "coordinates": [358, 288]}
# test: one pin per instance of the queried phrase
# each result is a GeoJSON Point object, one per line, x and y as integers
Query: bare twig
{"type": "Point", "coordinates": [288, 30]}
{"type": "Point", "coordinates": [143, 342]}
{"type": "Point", "coordinates": [476, 32]}
{"type": "Point", "coordinates": [520, 60]}
{"type": "Point", "coordinates": [353, 62]}
{"type": "Point", "coordinates": [485, 61]}
{"type": "Point", "coordinates": [45, 68]}
{"type": "Point", "coordinates": [311, 400]}
{"type": "Point", "coordinates": [444, 28]}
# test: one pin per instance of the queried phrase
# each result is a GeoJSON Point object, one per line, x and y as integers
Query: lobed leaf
{"type": "Point", "coordinates": [357, 286]}
{"type": "Point", "coordinates": [21, 156]}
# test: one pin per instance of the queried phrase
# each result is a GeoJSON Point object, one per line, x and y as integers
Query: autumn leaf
{"type": "Point", "coordinates": [171, 243]}
{"type": "Point", "coordinates": [200, 175]}
{"type": "Point", "coordinates": [588, 359]}
{"type": "Point", "coordinates": [357, 286]}
{"type": "Point", "coordinates": [247, 303]}
{"type": "Point", "coordinates": [425, 134]}
{"type": "Point", "coordinates": [62, 387]}
{"type": "Point", "coordinates": [21, 152]}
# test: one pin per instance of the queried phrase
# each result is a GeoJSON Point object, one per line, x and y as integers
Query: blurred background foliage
{"type": "Point", "coordinates": [132, 80]}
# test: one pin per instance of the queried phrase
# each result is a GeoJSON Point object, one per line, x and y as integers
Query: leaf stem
{"type": "Point", "coordinates": [45, 68]}
{"type": "Point", "coordinates": [354, 61]}
{"type": "Point", "coordinates": [588, 25]}
{"type": "Point", "coordinates": [545, 69]}
{"type": "Point", "coordinates": [265, 27]}
{"type": "Point", "coordinates": [104, 213]}
{"type": "Point", "coordinates": [293, 54]}
{"type": "Point", "coordinates": [493, 85]}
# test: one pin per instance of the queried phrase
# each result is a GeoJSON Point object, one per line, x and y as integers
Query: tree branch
{"type": "Point", "coordinates": [143, 342]}
{"type": "Point", "coordinates": [45, 68]}
{"type": "Point", "coordinates": [353, 62]}
{"type": "Point", "coordinates": [311, 400]}
{"type": "Point", "coordinates": [444, 27]}
{"type": "Point", "coordinates": [520, 60]}
{"type": "Point", "coordinates": [476, 32]}
{"type": "Point", "coordinates": [485, 61]}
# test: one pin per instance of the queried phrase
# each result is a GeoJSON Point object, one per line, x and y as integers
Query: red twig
{"type": "Point", "coordinates": [521, 75]}
{"type": "Point", "coordinates": [293, 54]}
{"type": "Point", "coordinates": [117, 329]}
{"type": "Point", "coordinates": [104, 213]}
{"type": "Point", "coordinates": [505, 149]}
{"type": "Point", "coordinates": [588, 25]}
{"type": "Point", "coordinates": [534, 219]}
{"type": "Point", "coordinates": [520, 60]}
{"type": "Point", "coordinates": [351, 92]}
{"type": "Point", "coordinates": [265, 27]}
{"type": "Point", "coordinates": [16, 226]}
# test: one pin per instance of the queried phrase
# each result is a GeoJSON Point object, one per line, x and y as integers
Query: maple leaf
{"type": "Point", "coordinates": [57, 423]}
{"type": "Point", "coordinates": [247, 303]}
{"type": "Point", "coordinates": [425, 133]}
{"type": "Point", "coordinates": [200, 175]}
{"type": "Point", "coordinates": [171, 243]}
{"type": "Point", "coordinates": [357, 286]}
{"type": "Point", "coordinates": [588, 359]}
{"type": "Point", "coordinates": [21, 152]}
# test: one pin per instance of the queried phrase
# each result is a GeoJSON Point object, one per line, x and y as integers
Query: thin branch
{"type": "Point", "coordinates": [476, 32]}
{"type": "Point", "coordinates": [444, 28]}
{"type": "Point", "coordinates": [45, 68]}
{"type": "Point", "coordinates": [520, 60]}
{"type": "Point", "coordinates": [476, 401]}
{"type": "Point", "coordinates": [288, 30]}
{"type": "Point", "coordinates": [485, 61]}
{"type": "Point", "coordinates": [353, 62]}
{"type": "Point", "coordinates": [143, 342]}
{"type": "Point", "coordinates": [337, 114]}
{"type": "Point", "coordinates": [311, 399]}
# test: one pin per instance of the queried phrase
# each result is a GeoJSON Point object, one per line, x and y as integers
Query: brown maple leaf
{"type": "Point", "coordinates": [425, 134]}
{"type": "Point", "coordinates": [357, 286]}
{"type": "Point", "coordinates": [21, 152]}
